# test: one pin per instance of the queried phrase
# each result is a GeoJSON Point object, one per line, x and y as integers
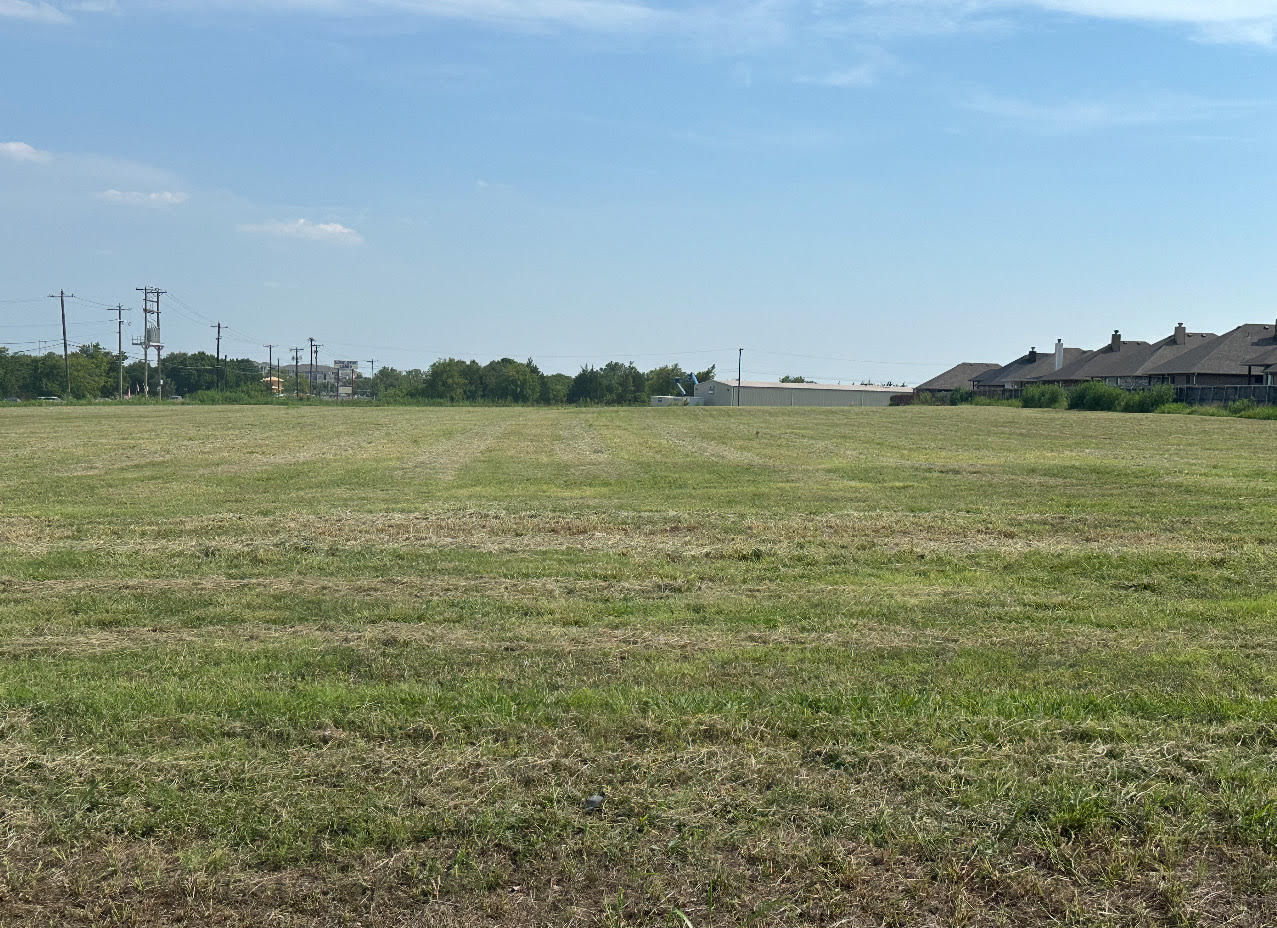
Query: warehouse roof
{"type": "Point", "coordinates": [862, 387]}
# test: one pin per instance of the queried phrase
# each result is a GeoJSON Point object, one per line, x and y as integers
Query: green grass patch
{"type": "Point", "coordinates": [310, 665]}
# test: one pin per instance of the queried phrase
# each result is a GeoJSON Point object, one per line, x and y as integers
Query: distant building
{"type": "Point", "coordinates": [959, 377]}
{"type": "Point", "coordinates": [1244, 356]}
{"type": "Point", "coordinates": [766, 393]}
{"type": "Point", "coordinates": [1027, 368]}
{"type": "Point", "coordinates": [323, 373]}
{"type": "Point", "coordinates": [677, 401]}
{"type": "Point", "coordinates": [1264, 365]}
{"type": "Point", "coordinates": [1127, 363]}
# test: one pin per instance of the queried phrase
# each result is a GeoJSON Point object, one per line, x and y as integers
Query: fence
{"type": "Point", "coordinates": [1222, 395]}
{"type": "Point", "coordinates": [1193, 396]}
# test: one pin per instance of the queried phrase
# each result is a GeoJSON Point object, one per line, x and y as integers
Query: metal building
{"type": "Point", "coordinates": [764, 393]}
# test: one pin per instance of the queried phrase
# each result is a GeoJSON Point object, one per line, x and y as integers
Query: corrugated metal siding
{"type": "Point", "coordinates": [725, 395]}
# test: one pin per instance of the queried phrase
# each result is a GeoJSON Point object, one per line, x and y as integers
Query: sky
{"type": "Point", "coordinates": [849, 190]}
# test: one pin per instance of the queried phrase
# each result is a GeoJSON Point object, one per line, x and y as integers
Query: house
{"type": "Point", "coordinates": [1028, 368]}
{"type": "Point", "coordinates": [322, 373]}
{"type": "Point", "coordinates": [1265, 367]}
{"type": "Point", "coordinates": [765, 393]}
{"type": "Point", "coordinates": [1239, 357]}
{"type": "Point", "coordinates": [1125, 364]}
{"type": "Point", "coordinates": [958, 377]}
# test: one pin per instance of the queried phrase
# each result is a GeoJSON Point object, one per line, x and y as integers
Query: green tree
{"type": "Point", "coordinates": [587, 387]}
{"type": "Point", "coordinates": [186, 373]}
{"type": "Point", "coordinates": [508, 381]}
{"type": "Point", "coordinates": [451, 380]}
{"type": "Point", "coordinates": [89, 367]}
{"type": "Point", "coordinates": [387, 380]}
{"type": "Point", "coordinates": [555, 388]}
{"type": "Point", "coordinates": [661, 381]}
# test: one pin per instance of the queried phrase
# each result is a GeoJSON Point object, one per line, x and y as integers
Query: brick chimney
{"type": "Point", "coordinates": [1181, 334]}
{"type": "Point", "coordinates": [1033, 355]}
{"type": "Point", "coordinates": [1115, 344]}
{"type": "Point", "coordinates": [1059, 353]}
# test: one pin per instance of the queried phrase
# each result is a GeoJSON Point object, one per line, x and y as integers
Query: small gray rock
{"type": "Point", "coordinates": [594, 803]}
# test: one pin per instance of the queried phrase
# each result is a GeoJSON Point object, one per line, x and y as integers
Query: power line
{"type": "Point", "coordinates": [822, 357]}
{"type": "Point", "coordinates": [83, 299]}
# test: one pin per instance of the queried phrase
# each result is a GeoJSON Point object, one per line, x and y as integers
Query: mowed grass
{"type": "Point", "coordinates": [919, 666]}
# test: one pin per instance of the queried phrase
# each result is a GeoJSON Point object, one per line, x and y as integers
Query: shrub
{"type": "Point", "coordinates": [1096, 396]}
{"type": "Point", "coordinates": [1174, 409]}
{"type": "Point", "coordinates": [1237, 407]}
{"type": "Point", "coordinates": [924, 399]}
{"type": "Point", "coordinates": [1044, 396]}
{"type": "Point", "coordinates": [1260, 412]}
{"type": "Point", "coordinates": [250, 396]}
{"type": "Point", "coordinates": [992, 401]}
{"type": "Point", "coordinates": [1148, 400]}
{"type": "Point", "coordinates": [960, 396]}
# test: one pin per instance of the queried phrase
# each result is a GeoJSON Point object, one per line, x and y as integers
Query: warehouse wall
{"type": "Point", "coordinates": [725, 395]}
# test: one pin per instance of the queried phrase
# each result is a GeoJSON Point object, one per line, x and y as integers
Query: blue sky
{"type": "Point", "coordinates": [849, 190]}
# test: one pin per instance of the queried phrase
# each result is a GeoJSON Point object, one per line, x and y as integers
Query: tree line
{"type": "Point", "coordinates": [451, 380]}
{"type": "Point", "coordinates": [95, 373]}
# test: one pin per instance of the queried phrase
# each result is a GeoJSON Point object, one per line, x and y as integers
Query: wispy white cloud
{"type": "Point", "coordinates": [872, 67]}
{"type": "Point", "coordinates": [1246, 21]}
{"type": "Point", "coordinates": [740, 25]}
{"type": "Point", "coordinates": [1079, 116]}
{"type": "Point", "coordinates": [138, 198]}
{"type": "Point", "coordinates": [333, 232]}
{"type": "Point", "coordinates": [21, 151]}
{"type": "Point", "coordinates": [38, 11]}
{"type": "Point", "coordinates": [594, 15]}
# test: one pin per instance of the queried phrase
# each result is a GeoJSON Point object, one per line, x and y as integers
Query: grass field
{"type": "Point", "coordinates": [316, 666]}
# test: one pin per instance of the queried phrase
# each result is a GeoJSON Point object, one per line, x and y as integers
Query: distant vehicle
{"type": "Point", "coordinates": [12, 399]}
{"type": "Point", "coordinates": [49, 399]}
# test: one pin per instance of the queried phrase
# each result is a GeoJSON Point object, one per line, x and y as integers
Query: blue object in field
{"type": "Point", "coordinates": [695, 382]}
{"type": "Point", "coordinates": [678, 382]}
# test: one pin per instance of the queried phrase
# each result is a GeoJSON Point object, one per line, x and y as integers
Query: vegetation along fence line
{"type": "Point", "coordinates": [1193, 396]}
{"type": "Point", "coordinates": [1209, 396]}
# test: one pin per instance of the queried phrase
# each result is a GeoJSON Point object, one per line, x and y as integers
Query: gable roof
{"type": "Point", "coordinates": [1027, 367]}
{"type": "Point", "coordinates": [1265, 359]}
{"type": "Point", "coordinates": [960, 376]}
{"type": "Point", "coordinates": [1131, 360]}
{"type": "Point", "coordinates": [1224, 354]}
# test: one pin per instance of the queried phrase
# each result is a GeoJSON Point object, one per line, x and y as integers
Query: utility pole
{"type": "Point", "coordinates": [312, 363]}
{"type": "Point", "coordinates": [297, 380]}
{"type": "Point", "coordinates": [740, 354]}
{"type": "Point", "coordinates": [119, 320]}
{"type": "Point", "coordinates": [61, 297]}
{"type": "Point", "coordinates": [270, 367]}
{"type": "Point", "coordinates": [372, 372]}
{"type": "Point", "coordinates": [151, 295]}
{"type": "Point", "coordinates": [218, 355]}
{"type": "Point", "coordinates": [159, 348]}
